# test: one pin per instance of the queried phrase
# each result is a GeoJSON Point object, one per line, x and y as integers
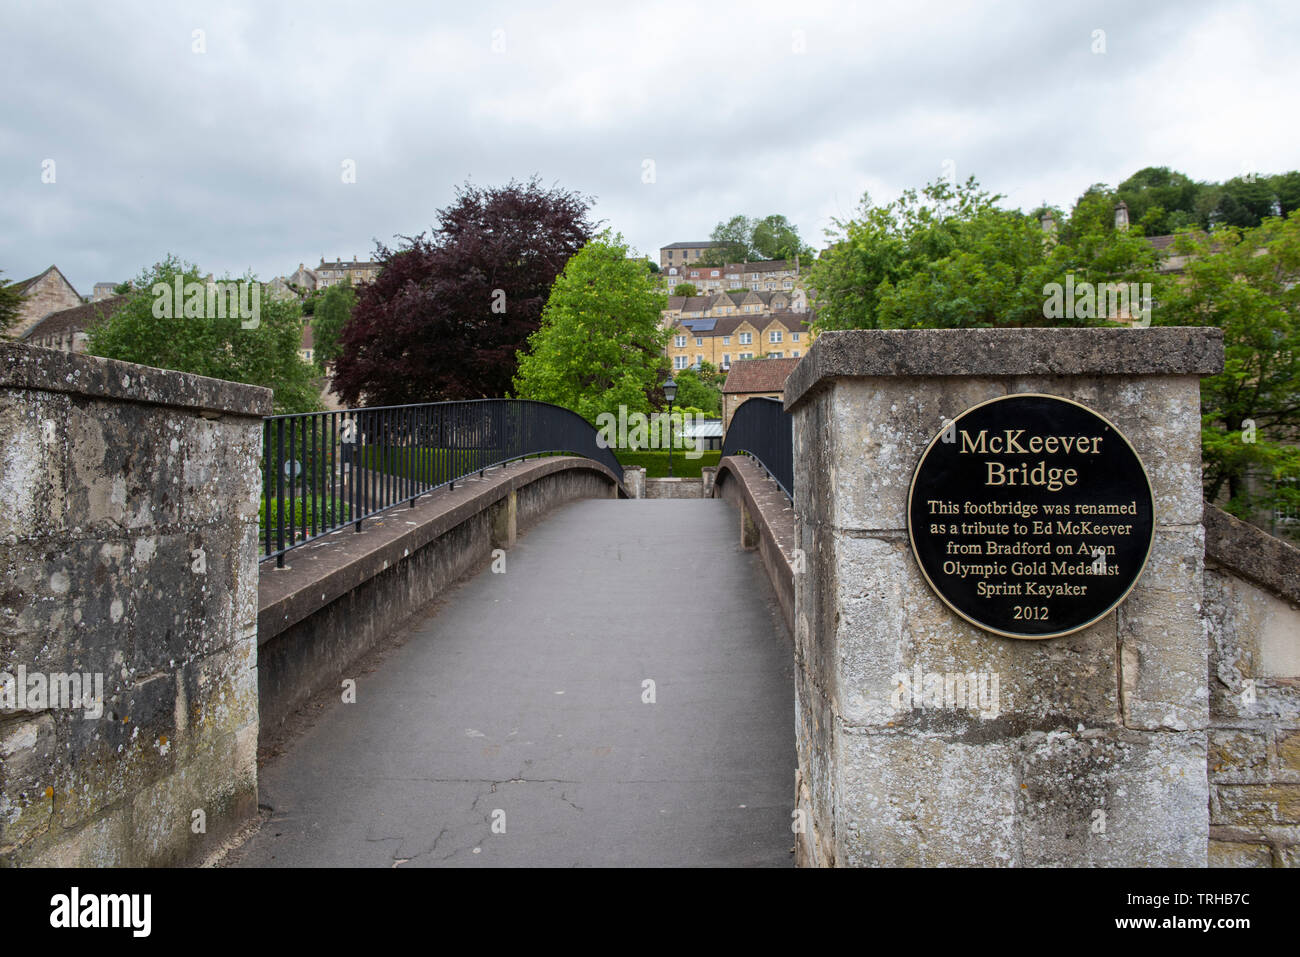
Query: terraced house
{"type": "Point", "coordinates": [722, 341]}
{"type": "Point", "coordinates": [768, 276]}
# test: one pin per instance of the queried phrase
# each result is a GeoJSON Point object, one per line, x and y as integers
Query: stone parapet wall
{"type": "Point", "coordinates": [340, 596]}
{"type": "Point", "coordinates": [1251, 611]}
{"type": "Point", "coordinates": [128, 557]}
{"type": "Point", "coordinates": [766, 523]}
{"type": "Point", "coordinates": [674, 488]}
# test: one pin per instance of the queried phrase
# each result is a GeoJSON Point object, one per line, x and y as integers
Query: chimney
{"type": "Point", "coordinates": [1048, 222]}
{"type": "Point", "coordinates": [1121, 216]}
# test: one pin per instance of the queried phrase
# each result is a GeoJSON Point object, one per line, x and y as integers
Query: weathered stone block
{"type": "Point", "coordinates": [1239, 854]}
{"type": "Point", "coordinates": [1257, 805]}
{"type": "Point", "coordinates": [1237, 756]}
{"type": "Point", "coordinates": [1108, 799]}
{"type": "Point", "coordinates": [1288, 752]}
{"type": "Point", "coordinates": [907, 800]}
{"type": "Point", "coordinates": [33, 466]}
{"type": "Point", "coordinates": [1163, 651]}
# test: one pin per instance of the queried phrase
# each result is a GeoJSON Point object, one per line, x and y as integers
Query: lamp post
{"type": "Point", "coordinates": [670, 393]}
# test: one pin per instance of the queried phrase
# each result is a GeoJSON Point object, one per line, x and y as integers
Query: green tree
{"type": "Point", "coordinates": [741, 239]}
{"type": "Point", "coordinates": [265, 354]}
{"type": "Point", "coordinates": [600, 344]}
{"type": "Point", "coordinates": [1243, 281]}
{"type": "Point", "coordinates": [11, 304]}
{"type": "Point", "coordinates": [882, 246]}
{"type": "Point", "coordinates": [732, 242]}
{"type": "Point", "coordinates": [700, 389]}
{"type": "Point", "coordinates": [773, 237]}
{"type": "Point", "coordinates": [1160, 199]}
{"type": "Point", "coordinates": [685, 289]}
{"type": "Point", "coordinates": [948, 257]}
{"type": "Point", "coordinates": [331, 313]}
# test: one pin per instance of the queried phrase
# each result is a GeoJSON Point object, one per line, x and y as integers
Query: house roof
{"type": "Point", "coordinates": [759, 375]}
{"type": "Point", "coordinates": [722, 326]}
{"type": "Point", "coordinates": [772, 265]}
{"type": "Point", "coordinates": [702, 244]}
{"type": "Point", "coordinates": [77, 319]}
{"type": "Point", "coordinates": [22, 285]}
{"type": "Point", "coordinates": [348, 264]}
{"type": "Point", "coordinates": [699, 325]}
{"type": "Point", "coordinates": [727, 325]}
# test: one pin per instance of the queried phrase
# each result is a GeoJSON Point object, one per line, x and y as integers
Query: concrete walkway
{"type": "Point", "coordinates": [520, 702]}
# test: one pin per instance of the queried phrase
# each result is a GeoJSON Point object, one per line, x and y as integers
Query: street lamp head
{"type": "Point", "coordinates": [670, 389]}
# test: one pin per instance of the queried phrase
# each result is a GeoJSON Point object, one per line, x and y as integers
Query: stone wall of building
{"type": "Point", "coordinates": [50, 292]}
{"type": "Point", "coordinates": [1252, 618]}
{"type": "Point", "coordinates": [128, 559]}
{"type": "Point", "coordinates": [1095, 750]}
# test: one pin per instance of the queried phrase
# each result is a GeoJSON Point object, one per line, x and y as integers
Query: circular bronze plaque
{"type": "Point", "coordinates": [1031, 516]}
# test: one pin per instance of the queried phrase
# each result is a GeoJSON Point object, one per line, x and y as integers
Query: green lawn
{"type": "Point", "coordinates": [655, 463]}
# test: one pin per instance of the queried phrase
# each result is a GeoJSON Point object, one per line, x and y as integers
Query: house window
{"type": "Point", "coordinates": [747, 355]}
{"type": "Point", "coordinates": [680, 342]}
{"type": "Point", "coordinates": [746, 338]}
{"type": "Point", "coordinates": [679, 362]}
{"type": "Point", "coordinates": [774, 336]}
{"type": "Point", "coordinates": [726, 359]}
{"type": "Point", "coordinates": [774, 355]}
{"type": "Point", "coordinates": [795, 354]}
{"type": "Point", "coordinates": [698, 360]}
{"type": "Point", "coordinates": [794, 337]}
{"type": "Point", "coordinates": [787, 284]}
{"type": "Point", "coordinates": [699, 341]}
{"type": "Point", "coordinates": [726, 340]}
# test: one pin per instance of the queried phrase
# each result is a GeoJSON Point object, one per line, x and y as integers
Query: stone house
{"type": "Point", "coordinates": [332, 273]}
{"type": "Point", "coordinates": [681, 254]}
{"type": "Point", "coordinates": [748, 379]}
{"type": "Point", "coordinates": [42, 294]}
{"type": "Point", "coordinates": [67, 329]}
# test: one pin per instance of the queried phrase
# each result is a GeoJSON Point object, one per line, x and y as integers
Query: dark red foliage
{"type": "Point", "coordinates": [425, 330]}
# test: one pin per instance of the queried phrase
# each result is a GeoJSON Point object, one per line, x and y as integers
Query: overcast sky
{"type": "Point", "coordinates": [234, 157]}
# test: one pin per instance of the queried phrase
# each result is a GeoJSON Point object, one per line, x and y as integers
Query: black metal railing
{"type": "Point", "coordinates": [763, 430]}
{"type": "Point", "coordinates": [322, 471]}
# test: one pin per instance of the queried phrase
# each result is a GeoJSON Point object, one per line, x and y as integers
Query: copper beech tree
{"type": "Point", "coordinates": [450, 310]}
